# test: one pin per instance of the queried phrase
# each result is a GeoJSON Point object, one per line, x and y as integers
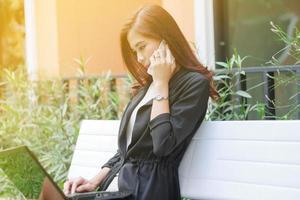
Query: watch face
{"type": "Point", "coordinates": [159, 97]}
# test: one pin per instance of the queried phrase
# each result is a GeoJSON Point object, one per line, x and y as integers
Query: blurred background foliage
{"type": "Point", "coordinates": [12, 34]}
{"type": "Point", "coordinates": [45, 116]}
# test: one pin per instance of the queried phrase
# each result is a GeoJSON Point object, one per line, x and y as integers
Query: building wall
{"type": "Point", "coordinates": [70, 29]}
{"type": "Point", "coordinates": [92, 31]}
{"type": "Point", "coordinates": [46, 39]}
{"type": "Point", "coordinates": [183, 13]}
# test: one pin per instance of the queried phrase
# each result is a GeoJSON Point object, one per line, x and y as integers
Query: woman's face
{"type": "Point", "coordinates": [142, 46]}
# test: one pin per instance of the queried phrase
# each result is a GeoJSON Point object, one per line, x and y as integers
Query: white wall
{"type": "Point", "coordinates": [30, 38]}
{"type": "Point", "coordinates": [204, 32]}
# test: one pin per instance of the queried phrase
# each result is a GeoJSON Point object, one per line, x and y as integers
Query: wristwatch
{"type": "Point", "coordinates": [160, 98]}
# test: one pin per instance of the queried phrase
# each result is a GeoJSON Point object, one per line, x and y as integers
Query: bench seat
{"type": "Point", "coordinates": [225, 159]}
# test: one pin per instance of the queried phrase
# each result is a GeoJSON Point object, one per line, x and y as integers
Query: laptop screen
{"type": "Point", "coordinates": [26, 173]}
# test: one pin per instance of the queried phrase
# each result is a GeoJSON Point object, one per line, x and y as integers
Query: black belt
{"type": "Point", "coordinates": [150, 161]}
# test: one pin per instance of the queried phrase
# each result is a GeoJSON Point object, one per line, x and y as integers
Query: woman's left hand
{"type": "Point", "coordinates": [162, 64]}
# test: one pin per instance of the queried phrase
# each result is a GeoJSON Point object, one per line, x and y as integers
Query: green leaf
{"type": "Point", "coordinates": [223, 64]}
{"type": "Point", "coordinates": [219, 77]}
{"type": "Point", "coordinates": [243, 94]}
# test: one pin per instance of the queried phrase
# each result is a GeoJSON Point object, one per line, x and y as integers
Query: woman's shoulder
{"type": "Point", "coordinates": [197, 76]}
{"type": "Point", "coordinates": [188, 81]}
{"type": "Point", "coordinates": [191, 77]}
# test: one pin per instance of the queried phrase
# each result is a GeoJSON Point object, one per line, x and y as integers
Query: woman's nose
{"type": "Point", "coordinates": [140, 58]}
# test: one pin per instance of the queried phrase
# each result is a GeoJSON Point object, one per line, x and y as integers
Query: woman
{"type": "Point", "coordinates": [169, 105]}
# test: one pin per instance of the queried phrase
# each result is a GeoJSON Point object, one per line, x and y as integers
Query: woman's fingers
{"type": "Point", "coordinates": [152, 60]}
{"type": "Point", "coordinates": [67, 186]}
{"type": "Point", "coordinates": [78, 181]}
{"type": "Point", "coordinates": [88, 187]}
{"type": "Point", "coordinates": [156, 56]}
{"type": "Point", "coordinates": [77, 185]}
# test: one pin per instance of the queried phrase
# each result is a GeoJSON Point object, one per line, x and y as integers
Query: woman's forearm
{"type": "Point", "coordinates": [162, 106]}
{"type": "Point", "coordinates": [96, 180]}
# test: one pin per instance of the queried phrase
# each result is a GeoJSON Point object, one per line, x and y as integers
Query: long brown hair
{"type": "Point", "coordinates": [155, 22]}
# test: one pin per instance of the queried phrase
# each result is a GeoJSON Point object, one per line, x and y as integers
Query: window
{"type": "Point", "coordinates": [245, 25]}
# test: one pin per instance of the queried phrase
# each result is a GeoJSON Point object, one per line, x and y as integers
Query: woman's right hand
{"type": "Point", "coordinates": [80, 184]}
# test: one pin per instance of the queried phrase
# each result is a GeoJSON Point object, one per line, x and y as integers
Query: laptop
{"type": "Point", "coordinates": [24, 170]}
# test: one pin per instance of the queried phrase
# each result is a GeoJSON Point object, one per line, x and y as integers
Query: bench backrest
{"type": "Point", "coordinates": [225, 160]}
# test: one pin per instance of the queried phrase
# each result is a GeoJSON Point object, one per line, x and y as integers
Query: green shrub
{"type": "Point", "coordinates": [232, 104]}
{"type": "Point", "coordinates": [46, 118]}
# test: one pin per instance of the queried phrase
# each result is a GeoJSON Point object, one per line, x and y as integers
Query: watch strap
{"type": "Point", "coordinates": [160, 98]}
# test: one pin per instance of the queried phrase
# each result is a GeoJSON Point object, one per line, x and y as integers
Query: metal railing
{"type": "Point", "coordinates": [267, 72]}
{"type": "Point", "coordinates": [90, 79]}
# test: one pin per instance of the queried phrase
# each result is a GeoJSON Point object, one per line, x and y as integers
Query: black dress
{"type": "Point", "coordinates": [149, 168]}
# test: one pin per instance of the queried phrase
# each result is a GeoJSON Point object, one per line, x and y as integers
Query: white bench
{"type": "Point", "coordinates": [225, 160]}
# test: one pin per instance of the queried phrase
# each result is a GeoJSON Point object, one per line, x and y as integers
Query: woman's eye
{"type": "Point", "coordinates": [141, 47]}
